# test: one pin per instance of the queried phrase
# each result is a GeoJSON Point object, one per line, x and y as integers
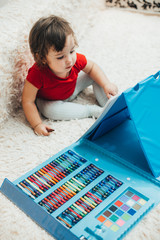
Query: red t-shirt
{"type": "Point", "coordinates": [50, 86]}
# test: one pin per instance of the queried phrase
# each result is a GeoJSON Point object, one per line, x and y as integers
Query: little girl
{"type": "Point", "coordinates": [52, 81]}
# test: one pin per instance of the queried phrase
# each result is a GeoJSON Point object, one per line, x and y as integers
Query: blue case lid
{"type": "Point", "coordinates": [131, 125]}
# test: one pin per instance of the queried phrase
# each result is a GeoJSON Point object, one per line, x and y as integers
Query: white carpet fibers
{"type": "Point", "coordinates": [126, 45]}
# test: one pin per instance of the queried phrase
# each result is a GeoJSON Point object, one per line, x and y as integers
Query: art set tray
{"type": "Point", "coordinates": [102, 185]}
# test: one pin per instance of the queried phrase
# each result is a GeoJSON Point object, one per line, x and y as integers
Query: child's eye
{"type": "Point", "coordinates": [60, 57]}
{"type": "Point", "coordinates": [72, 51]}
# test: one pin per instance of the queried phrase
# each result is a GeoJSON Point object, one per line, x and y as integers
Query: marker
{"type": "Point", "coordinates": [31, 187]}
{"type": "Point", "coordinates": [52, 165]}
{"type": "Point", "coordinates": [92, 198]}
{"type": "Point", "coordinates": [76, 209]}
{"type": "Point", "coordinates": [30, 179]}
{"type": "Point", "coordinates": [78, 182]}
{"type": "Point", "coordinates": [70, 217]}
{"type": "Point", "coordinates": [85, 204]}
{"type": "Point", "coordinates": [43, 174]}
{"type": "Point", "coordinates": [57, 205]}
{"type": "Point", "coordinates": [71, 188]}
{"type": "Point", "coordinates": [50, 206]}
{"type": "Point", "coordinates": [26, 191]}
{"type": "Point", "coordinates": [86, 209]}
{"type": "Point", "coordinates": [95, 196]}
{"type": "Point", "coordinates": [38, 189]}
{"type": "Point", "coordinates": [41, 180]}
{"type": "Point", "coordinates": [62, 188]}
{"type": "Point", "coordinates": [115, 179]}
{"type": "Point", "coordinates": [67, 224]}
{"type": "Point", "coordinates": [81, 209]}
{"type": "Point", "coordinates": [85, 199]}
{"type": "Point", "coordinates": [72, 214]}
{"type": "Point", "coordinates": [78, 215]}
{"type": "Point", "coordinates": [63, 192]}
{"type": "Point", "coordinates": [50, 130]}
{"type": "Point", "coordinates": [63, 196]}
{"type": "Point", "coordinates": [47, 200]}
{"type": "Point", "coordinates": [74, 186]}
{"type": "Point", "coordinates": [42, 204]}
{"type": "Point", "coordinates": [52, 174]}
{"type": "Point", "coordinates": [77, 156]}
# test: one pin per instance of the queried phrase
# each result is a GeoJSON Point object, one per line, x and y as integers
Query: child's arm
{"type": "Point", "coordinates": [96, 73]}
{"type": "Point", "coordinates": [31, 112]}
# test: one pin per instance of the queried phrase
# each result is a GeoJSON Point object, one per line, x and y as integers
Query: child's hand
{"type": "Point", "coordinates": [110, 89]}
{"type": "Point", "coordinates": [42, 129]}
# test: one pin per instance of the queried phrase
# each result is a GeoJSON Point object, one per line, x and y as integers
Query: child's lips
{"type": "Point", "coordinates": [69, 67]}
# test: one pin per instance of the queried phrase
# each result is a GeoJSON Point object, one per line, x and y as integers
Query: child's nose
{"type": "Point", "coordinates": [68, 59]}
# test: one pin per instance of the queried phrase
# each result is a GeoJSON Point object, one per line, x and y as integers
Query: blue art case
{"type": "Point", "coordinates": [100, 186]}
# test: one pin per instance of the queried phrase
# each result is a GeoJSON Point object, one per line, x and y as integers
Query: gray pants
{"type": "Point", "coordinates": [67, 110]}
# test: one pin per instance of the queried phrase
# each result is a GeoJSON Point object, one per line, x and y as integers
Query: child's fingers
{"type": "Point", "coordinates": [43, 130]}
{"type": "Point", "coordinates": [36, 133]}
{"type": "Point", "coordinates": [44, 133]}
{"type": "Point", "coordinates": [48, 130]}
{"type": "Point", "coordinates": [109, 95]}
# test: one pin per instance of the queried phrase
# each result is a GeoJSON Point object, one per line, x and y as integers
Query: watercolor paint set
{"type": "Point", "coordinates": [121, 211]}
{"type": "Point", "coordinates": [99, 187]}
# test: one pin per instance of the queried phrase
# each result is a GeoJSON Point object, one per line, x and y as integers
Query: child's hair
{"type": "Point", "coordinates": [46, 33]}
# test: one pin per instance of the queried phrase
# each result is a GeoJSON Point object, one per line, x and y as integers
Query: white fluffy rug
{"type": "Point", "coordinates": [125, 44]}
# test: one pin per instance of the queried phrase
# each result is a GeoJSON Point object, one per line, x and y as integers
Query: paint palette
{"type": "Point", "coordinates": [124, 209]}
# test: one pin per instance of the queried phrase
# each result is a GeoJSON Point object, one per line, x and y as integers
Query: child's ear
{"type": "Point", "coordinates": [44, 61]}
{"type": "Point", "coordinates": [37, 56]}
{"type": "Point", "coordinates": [41, 59]}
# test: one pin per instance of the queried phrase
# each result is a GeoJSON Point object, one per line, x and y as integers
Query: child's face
{"type": "Point", "coordinates": [62, 62]}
